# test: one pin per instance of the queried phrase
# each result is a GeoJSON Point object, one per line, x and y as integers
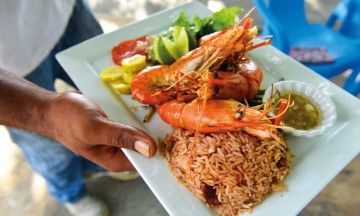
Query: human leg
{"type": "Point", "coordinates": [62, 169]}
{"type": "Point", "coordinates": [83, 19]}
{"type": "Point", "coordinates": [82, 26]}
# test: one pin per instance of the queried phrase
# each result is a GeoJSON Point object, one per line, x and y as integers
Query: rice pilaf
{"type": "Point", "coordinates": [231, 172]}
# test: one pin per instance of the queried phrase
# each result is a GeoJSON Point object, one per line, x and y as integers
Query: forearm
{"type": "Point", "coordinates": [23, 104]}
{"type": "Point", "coordinates": [73, 120]}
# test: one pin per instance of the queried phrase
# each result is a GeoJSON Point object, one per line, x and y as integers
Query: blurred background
{"type": "Point", "coordinates": [23, 192]}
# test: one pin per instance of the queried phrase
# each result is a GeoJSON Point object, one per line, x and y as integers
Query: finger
{"type": "Point", "coordinates": [125, 136]}
{"type": "Point", "coordinates": [111, 158]}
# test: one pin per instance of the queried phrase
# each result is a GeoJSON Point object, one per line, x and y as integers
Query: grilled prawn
{"type": "Point", "coordinates": [217, 116]}
{"type": "Point", "coordinates": [217, 69]}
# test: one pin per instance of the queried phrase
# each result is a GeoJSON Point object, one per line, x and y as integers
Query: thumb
{"type": "Point", "coordinates": [125, 136]}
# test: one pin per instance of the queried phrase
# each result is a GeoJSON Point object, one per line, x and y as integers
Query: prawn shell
{"type": "Point", "coordinates": [211, 116]}
{"type": "Point", "coordinates": [148, 86]}
{"type": "Point", "coordinates": [192, 116]}
{"type": "Point", "coordinates": [243, 83]}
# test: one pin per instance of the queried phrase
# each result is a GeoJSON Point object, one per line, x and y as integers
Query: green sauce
{"type": "Point", "coordinates": [303, 115]}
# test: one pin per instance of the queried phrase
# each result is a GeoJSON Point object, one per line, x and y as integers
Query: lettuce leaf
{"type": "Point", "coordinates": [198, 27]}
{"type": "Point", "coordinates": [217, 21]}
{"type": "Point", "coordinates": [182, 20]}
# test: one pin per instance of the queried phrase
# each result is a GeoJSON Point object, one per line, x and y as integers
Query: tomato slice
{"type": "Point", "coordinates": [130, 48]}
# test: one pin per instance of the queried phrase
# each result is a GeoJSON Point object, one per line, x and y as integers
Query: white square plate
{"type": "Point", "coordinates": [318, 160]}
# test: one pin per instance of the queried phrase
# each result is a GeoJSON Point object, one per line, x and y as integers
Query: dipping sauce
{"type": "Point", "coordinates": [303, 115]}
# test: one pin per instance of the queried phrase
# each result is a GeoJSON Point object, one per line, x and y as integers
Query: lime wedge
{"type": "Point", "coordinates": [180, 45]}
{"type": "Point", "coordinates": [171, 47]}
{"type": "Point", "coordinates": [181, 40]}
{"type": "Point", "coordinates": [162, 55]}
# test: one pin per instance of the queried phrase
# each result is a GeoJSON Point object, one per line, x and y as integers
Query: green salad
{"type": "Point", "coordinates": [184, 34]}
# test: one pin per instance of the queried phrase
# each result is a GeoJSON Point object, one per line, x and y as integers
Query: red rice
{"type": "Point", "coordinates": [242, 170]}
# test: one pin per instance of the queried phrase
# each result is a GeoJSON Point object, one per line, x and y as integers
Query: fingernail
{"type": "Point", "coordinates": [142, 147]}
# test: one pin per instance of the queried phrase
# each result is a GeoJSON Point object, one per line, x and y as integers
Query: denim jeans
{"type": "Point", "coordinates": [63, 170]}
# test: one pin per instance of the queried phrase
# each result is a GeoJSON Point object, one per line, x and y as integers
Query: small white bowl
{"type": "Point", "coordinates": [326, 106]}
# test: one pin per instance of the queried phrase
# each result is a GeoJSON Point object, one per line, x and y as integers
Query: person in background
{"type": "Point", "coordinates": [64, 136]}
